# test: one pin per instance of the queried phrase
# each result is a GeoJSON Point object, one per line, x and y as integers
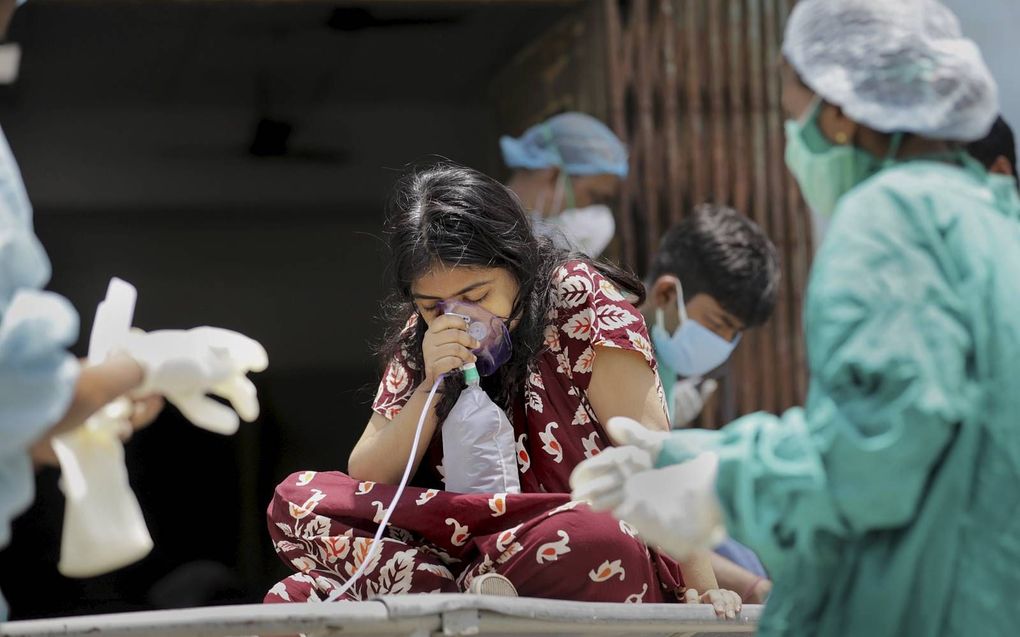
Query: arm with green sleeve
{"type": "Point", "coordinates": [887, 354]}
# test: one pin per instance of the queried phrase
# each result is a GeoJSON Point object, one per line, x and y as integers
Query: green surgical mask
{"type": "Point", "coordinates": [826, 171]}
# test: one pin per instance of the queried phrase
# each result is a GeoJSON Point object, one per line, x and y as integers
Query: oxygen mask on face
{"type": "Point", "coordinates": [488, 329]}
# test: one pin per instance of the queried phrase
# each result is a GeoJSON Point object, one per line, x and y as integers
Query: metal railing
{"type": "Point", "coordinates": [406, 615]}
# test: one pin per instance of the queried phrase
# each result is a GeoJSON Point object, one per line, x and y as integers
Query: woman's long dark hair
{"type": "Point", "coordinates": [455, 216]}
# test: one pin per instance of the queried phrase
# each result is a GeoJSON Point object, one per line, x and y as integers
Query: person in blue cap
{"type": "Point", "coordinates": [568, 171]}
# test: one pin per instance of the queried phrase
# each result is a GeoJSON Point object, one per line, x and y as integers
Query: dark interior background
{"type": "Point", "coordinates": [232, 160]}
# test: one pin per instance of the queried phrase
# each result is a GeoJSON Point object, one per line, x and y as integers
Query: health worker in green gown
{"type": "Point", "coordinates": [888, 505]}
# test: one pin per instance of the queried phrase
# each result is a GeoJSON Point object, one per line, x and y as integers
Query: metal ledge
{"type": "Point", "coordinates": [402, 615]}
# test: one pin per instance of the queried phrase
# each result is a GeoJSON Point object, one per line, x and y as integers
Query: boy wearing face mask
{"type": "Point", "coordinates": [716, 275]}
{"type": "Point", "coordinates": [567, 170]}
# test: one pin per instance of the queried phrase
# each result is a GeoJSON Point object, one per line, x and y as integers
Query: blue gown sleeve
{"type": "Point", "coordinates": [37, 381]}
{"type": "Point", "coordinates": [37, 374]}
{"type": "Point", "coordinates": [888, 351]}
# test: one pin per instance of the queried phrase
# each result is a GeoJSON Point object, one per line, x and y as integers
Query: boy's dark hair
{"type": "Point", "coordinates": [719, 252]}
{"type": "Point", "coordinates": [999, 142]}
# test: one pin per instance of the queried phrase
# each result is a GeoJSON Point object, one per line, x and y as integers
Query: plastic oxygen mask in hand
{"type": "Point", "coordinates": [488, 329]}
{"type": "Point", "coordinates": [479, 451]}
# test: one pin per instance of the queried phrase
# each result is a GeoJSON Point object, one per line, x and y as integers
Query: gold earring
{"type": "Point", "coordinates": [841, 138]}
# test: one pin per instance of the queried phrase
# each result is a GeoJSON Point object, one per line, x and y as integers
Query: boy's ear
{"type": "Point", "coordinates": [663, 291]}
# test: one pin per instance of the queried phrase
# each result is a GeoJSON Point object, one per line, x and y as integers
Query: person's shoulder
{"type": "Point", "coordinates": [572, 286]}
{"type": "Point", "coordinates": [579, 285]}
{"type": "Point", "coordinates": [923, 176]}
{"type": "Point", "coordinates": [574, 266]}
{"type": "Point", "coordinates": [907, 192]}
{"type": "Point", "coordinates": [910, 183]}
{"type": "Point", "coordinates": [580, 281]}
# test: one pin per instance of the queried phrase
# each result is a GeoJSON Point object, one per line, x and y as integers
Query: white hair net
{"type": "Point", "coordinates": [894, 65]}
{"type": "Point", "coordinates": [577, 143]}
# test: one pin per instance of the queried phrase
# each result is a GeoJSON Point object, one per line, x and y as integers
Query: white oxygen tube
{"type": "Point", "coordinates": [103, 524]}
{"type": "Point", "coordinates": [376, 541]}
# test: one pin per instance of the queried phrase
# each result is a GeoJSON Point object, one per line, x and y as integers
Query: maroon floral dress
{"type": "Point", "coordinates": [549, 546]}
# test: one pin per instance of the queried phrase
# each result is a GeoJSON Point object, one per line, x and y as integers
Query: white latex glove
{"type": "Point", "coordinates": [689, 397]}
{"type": "Point", "coordinates": [683, 445]}
{"type": "Point", "coordinates": [627, 431]}
{"type": "Point", "coordinates": [674, 508]}
{"type": "Point", "coordinates": [185, 365]}
{"type": "Point", "coordinates": [599, 480]}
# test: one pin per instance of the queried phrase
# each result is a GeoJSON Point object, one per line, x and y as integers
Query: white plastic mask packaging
{"type": "Point", "coordinates": [479, 452]}
{"type": "Point", "coordinates": [103, 524]}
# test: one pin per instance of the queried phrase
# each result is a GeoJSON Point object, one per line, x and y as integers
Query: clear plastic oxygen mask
{"type": "Point", "coordinates": [488, 329]}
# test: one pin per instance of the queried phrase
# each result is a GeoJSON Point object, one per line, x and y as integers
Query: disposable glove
{"type": "Point", "coordinates": [683, 445]}
{"type": "Point", "coordinates": [689, 397]}
{"type": "Point", "coordinates": [185, 365]}
{"type": "Point", "coordinates": [626, 431]}
{"type": "Point", "coordinates": [599, 480]}
{"type": "Point", "coordinates": [674, 509]}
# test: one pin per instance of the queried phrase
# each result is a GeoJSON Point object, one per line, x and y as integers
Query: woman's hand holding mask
{"type": "Point", "coordinates": [447, 347]}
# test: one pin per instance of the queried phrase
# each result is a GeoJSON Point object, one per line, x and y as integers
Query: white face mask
{"type": "Point", "coordinates": [693, 349]}
{"type": "Point", "coordinates": [589, 230]}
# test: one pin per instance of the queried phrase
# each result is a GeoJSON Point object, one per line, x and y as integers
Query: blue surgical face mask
{"type": "Point", "coordinates": [693, 349]}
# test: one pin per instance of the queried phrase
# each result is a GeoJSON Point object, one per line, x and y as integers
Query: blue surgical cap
{"type": "Point", "coordinates": [576, 143]}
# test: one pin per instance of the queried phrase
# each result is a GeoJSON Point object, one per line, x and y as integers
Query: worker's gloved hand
{"type": "Point", "coordinates": [599, 480]}
{"type": "Point", "coordinates": [674, 508]}
{"type": "Point", "coordinates": [682, 445]}
{"type": "Point", "coordinates": [689, 397]}
{"type": "Point", "coordinates": [185, 365]}
{"type": "Point", "coordinates": [627, 431]}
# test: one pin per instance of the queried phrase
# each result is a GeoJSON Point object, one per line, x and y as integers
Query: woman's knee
{"type": "Point", "coordinates": [598, 534]}
{"type": "Point", "coordinates": [300, 493]}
